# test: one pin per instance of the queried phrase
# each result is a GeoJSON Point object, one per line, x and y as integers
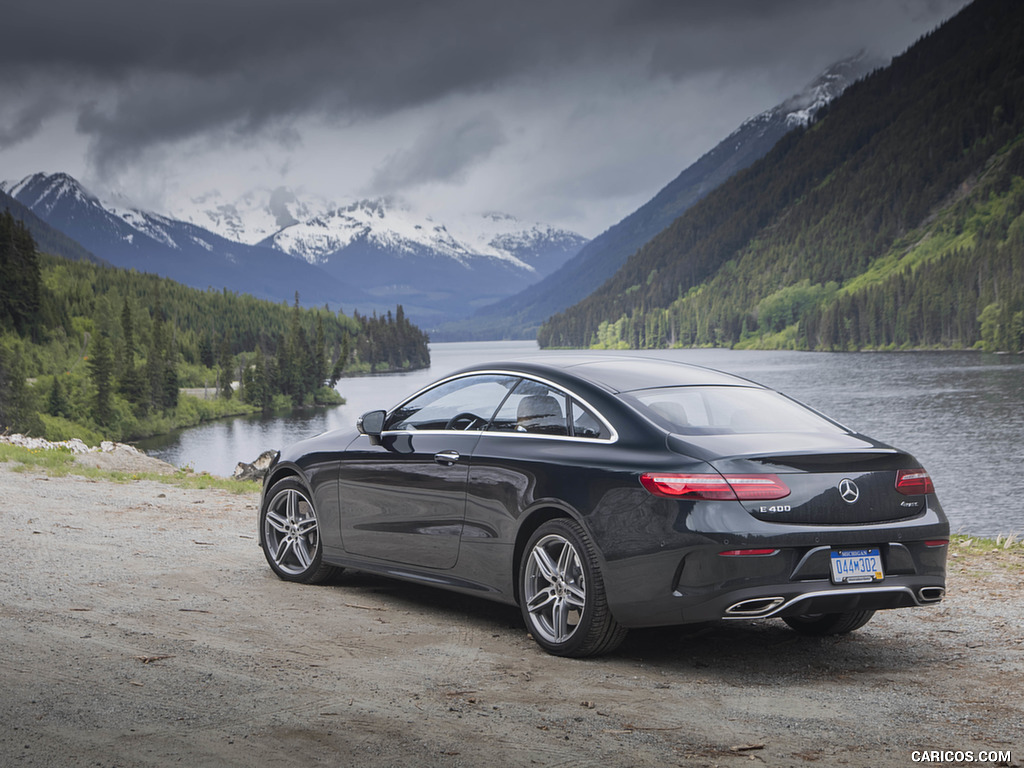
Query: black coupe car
{"type": "Point", "coordinates": [601, 493]}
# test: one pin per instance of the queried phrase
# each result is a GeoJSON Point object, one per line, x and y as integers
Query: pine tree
{"type": "Point", "coordinates": [156, 361]}
{"type": "Point", "coordinates": [101, 371]}
{"type": "Point", "coordinates": [20, 287]}
{"type": "Point", "coordinates": [319, 355]}
{"type": "Point", "coordinates": [341, 362]}
{"type": "Point", "coordinates": [16, 408]}
{"type": "Point", "coordinates": [57, 404]}
{"type": "Point", "coordinates": [257, 391]}
{"type": "Point", "coordinates": [130, 383]}
{"type": "Point", "coordinates": [225, 365]}
{"type": "Point", "coordinates": [169, 388]}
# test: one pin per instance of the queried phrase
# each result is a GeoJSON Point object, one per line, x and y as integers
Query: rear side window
{"type": "Point", "coordinates": [533, 408]}
{"type": "Point", "coordinates": [586, 424]}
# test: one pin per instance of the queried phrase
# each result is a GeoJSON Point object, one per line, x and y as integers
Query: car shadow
{"type": "Point", "coordinates": [413, 596]}
{"type": "Point", "coordinates": [759, 652]}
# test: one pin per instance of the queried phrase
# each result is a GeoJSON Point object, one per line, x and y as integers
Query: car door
{"type": "Point", "coordinates": [403, 495]}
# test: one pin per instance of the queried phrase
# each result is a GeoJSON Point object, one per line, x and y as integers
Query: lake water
{"type": "Point", "coordinates": [960, 413]}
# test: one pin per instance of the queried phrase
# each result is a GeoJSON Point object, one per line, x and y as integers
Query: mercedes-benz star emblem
{"type": "Point", "coordinates": [848, 490]}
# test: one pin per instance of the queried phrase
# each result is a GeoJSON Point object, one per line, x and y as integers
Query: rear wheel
{"type": "Point", "coordinates": [290, 535]}
{"type": "Point", "coordinates": [562, 594]}
{"type": "Point", "coordinates": [821, 624]}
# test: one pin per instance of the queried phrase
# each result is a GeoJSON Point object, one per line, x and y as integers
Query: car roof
{"type": "Point", "coordinates": [619, 373]}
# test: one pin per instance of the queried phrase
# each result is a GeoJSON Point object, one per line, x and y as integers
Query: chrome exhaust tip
{"type": "Point", "coordinates": [758, 606]}
{"type": "Point", "coordinates": [931, 594]}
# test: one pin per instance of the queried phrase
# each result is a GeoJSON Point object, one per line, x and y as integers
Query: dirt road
{"type": "Point", "coordinates": [140, 626]}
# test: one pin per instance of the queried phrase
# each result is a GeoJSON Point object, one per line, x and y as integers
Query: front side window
{"type": "Point", "coordinates": [466, 403]}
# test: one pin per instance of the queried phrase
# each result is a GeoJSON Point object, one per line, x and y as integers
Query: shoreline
{"type": "Point", "coordinates": [122, 458]}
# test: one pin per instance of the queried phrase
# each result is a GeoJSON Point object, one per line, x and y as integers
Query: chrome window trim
{"type": "Point", "coordinates": [612, 432]}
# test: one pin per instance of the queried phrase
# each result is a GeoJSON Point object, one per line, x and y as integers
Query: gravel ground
{"type": "Point", "coordinates": [141, 626]}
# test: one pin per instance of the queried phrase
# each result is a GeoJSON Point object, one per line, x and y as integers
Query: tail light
{"type": "Point", "coordinates": [714, 487]}
{"type": "Point", "coordinates": [914, 482]}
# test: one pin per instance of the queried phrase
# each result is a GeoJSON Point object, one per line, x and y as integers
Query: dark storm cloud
{"type": "Point", "coordinates": [441, 152]}
{"type": "Point", "coordinates": [25, 121]}
{"type": "Point", "coordinates": [152, 73]}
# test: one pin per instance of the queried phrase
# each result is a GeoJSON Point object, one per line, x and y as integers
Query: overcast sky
{"type": "Point", "coordinates": [573, 112]}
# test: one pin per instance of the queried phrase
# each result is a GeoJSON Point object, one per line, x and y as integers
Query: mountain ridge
{"type": "Point", "coordinates": [598, 260]}
{"type": "Point", "coordinates": [862, 230]}
{"type": "Point", "coordinates": [47, 238]}
{"type": "Point", "coordinates": [132, 238]}
{"type": "Point", "coordinates": [390, 254]}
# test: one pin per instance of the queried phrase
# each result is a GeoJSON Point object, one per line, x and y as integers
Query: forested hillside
{"type": "Point", "coordinates": [520, 315]}
{"type": "Point", "coordinates": [896, 220]}
{"type": "Point", "coordinates": [87, 349]}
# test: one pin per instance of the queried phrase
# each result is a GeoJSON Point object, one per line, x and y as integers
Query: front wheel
{"type": "Point", "coordinates": [821, 624]}
{"type": "Point", "coordinates": [290, 535]}
{"type": "Point", "coordinates": [562, 594]}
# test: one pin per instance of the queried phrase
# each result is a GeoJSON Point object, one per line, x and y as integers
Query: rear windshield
{"type": "Point", "coordinates": [727, 411]}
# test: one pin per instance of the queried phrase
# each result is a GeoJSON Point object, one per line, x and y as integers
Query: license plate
{"type": "Point", "coordinates": [854, 566]}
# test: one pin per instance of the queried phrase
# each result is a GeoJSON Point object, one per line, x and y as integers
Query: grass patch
{"type": "Point", "coordinates": [54, 462]}
{"type": "Point", "coordinates": [61, 463]}
{"type": "Point", "coordinates": [978, 545]}
{"type": "Point", "coordinates": [985, 556]}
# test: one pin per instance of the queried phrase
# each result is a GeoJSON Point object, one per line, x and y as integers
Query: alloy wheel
{"type": "Point", "coordinates": [555, 588]}
{"type": "Point", "coordinates": [291, 532]}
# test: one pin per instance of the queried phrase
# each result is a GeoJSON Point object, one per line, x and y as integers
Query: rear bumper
{"type": "Point", "coordinates": [770, 569]}
{"type": "Point", "coordinates": [701, 584]}
{"type": "Point", "coordinates": [828, 598]}
{"type": "Point", "coordinates": [784, 599]}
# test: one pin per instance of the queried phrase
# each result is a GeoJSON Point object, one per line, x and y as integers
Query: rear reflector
{"type": "Point", "coordinates": [747, 552]}
{"type": "Point", "coordinates": [937, 543]}
{"type": "Point", "coordinates": [914, 482]}
{"type": "Point", "coordinates": [714, 487]}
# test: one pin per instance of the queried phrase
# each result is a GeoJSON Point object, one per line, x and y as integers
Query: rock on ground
{"type": "Point", "coordinates": [110, 456]}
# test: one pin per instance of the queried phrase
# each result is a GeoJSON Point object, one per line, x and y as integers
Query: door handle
{"type": "Point", "coordinates": [447, 458]}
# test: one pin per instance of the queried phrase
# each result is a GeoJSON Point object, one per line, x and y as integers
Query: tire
{"type": "Point", "coordinates": [290, 535]}
{"type": "Point", "coordinates": [562, 596]}
{"type": "Point", "coordinates": [821, 624]}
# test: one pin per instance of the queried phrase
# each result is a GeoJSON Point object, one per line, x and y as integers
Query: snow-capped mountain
{"type": "Point", "coordinates": [255, 216]}
{"type": "Point", "coordinates": [132, 238]}
{"type": "Point", "coordinates": [311, 228]}
{"type": "Point", "coordinates": [435, 270]}
{"type": "Point", "coordinates": [519, 316]}
{"type": "Point", "coordinates": [48, 239]}
{"type": "Point", "coordinates": [541, 246]}
{"type": "Point", "coordinates": [799, 110]}
{"type": "Point", "coordinates": [372, 221]}
{"type": "Point", "coordinates": [535, 249]}
{"type": "Point", "coordinates": [392, 254]}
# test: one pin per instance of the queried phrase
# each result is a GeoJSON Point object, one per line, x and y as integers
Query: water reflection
{"type": "Point", "coordinates": [960, 413]}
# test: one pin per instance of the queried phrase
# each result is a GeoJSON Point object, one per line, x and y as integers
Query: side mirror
{"type": "Point", "coordinates": [371, 423]}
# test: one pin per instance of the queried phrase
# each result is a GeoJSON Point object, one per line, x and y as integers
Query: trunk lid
{"type": "Point", "coordinates": [832, 488]}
